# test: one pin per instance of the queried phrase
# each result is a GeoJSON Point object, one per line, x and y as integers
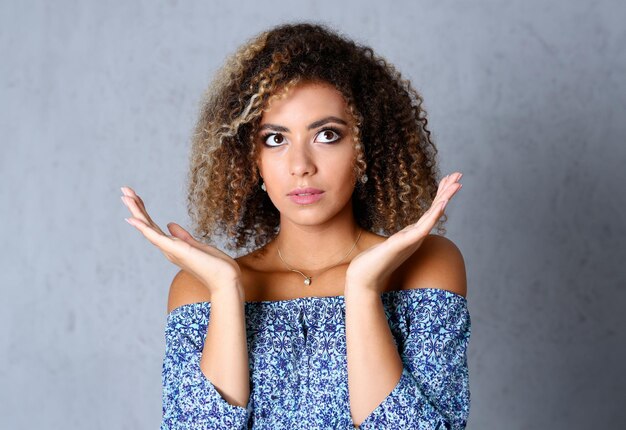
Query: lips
{"type": "Point", "coordinates": [305, 196]}
{"type": "Point", "coordinates": [305, 191]}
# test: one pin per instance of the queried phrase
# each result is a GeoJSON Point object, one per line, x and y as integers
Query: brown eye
{"type": "Point", "coordinates": [329, 136]}
{"type": "Point", "coordinates": [274, 139]}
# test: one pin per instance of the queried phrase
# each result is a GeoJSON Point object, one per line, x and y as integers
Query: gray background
{"type": "Point", "coordinates": [526, 98]}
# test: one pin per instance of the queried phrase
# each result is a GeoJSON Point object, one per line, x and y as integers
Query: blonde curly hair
{"type": "Point", "coordinates": [393, 144]}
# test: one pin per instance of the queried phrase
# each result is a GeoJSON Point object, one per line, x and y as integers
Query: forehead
{"type": "Point", "coordinates": [306, 101]}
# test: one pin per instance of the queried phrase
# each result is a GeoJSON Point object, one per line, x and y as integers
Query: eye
{"type": "Point", "coordinates": [328, 134]}
{"type": "Point", "coordinates": [273, 139]}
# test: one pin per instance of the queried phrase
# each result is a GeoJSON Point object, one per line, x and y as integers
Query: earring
{"type": "Point", "coordinates": [263, 186]}
{"type": "Point", "coordinates": [364, 178]}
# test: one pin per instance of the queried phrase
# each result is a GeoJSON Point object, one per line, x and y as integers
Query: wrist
{"type": "Point", "coordinates": [356, 288]}
{"type": "Point", "coordinates": [227, 292]}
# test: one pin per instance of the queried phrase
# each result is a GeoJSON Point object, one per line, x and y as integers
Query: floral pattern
{"type": "Point", "coordinates": [298, 366]}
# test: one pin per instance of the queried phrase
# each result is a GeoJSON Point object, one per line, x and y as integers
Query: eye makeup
{"type": "Point", "coordinates": [263, 137]}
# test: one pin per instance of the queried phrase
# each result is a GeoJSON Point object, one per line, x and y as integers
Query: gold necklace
{"type": "Point", "coordinates": [308, 279]}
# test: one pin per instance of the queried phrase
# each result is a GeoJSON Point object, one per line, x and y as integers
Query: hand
{"type": "Point", "coordinates": [371, 268]}
{"type": "Point", "coordinates": [214, 268]}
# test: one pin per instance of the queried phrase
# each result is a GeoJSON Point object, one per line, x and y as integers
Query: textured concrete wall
{"type": "Point", "coordinates": [526, 98]}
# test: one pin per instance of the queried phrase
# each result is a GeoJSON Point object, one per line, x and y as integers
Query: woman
{"type": "Point", "coordinates": [315, 153]}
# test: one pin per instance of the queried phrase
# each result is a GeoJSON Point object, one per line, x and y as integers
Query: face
{"type": "Point", "coordinates": [306, 147]}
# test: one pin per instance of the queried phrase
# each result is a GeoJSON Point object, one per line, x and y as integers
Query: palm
{"type": "Point", "coordinates": [207, 263]}
{"type": "Point", "coordinates": [374, 265]}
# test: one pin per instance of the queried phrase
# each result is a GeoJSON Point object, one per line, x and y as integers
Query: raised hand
{"type": "Point", "coordinates": [213, 267]}
{"type": "Point", "coordinates": [371, 268]}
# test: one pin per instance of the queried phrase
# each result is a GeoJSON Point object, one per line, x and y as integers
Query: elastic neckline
{"type": "Point", "coordinates": [328, 298]}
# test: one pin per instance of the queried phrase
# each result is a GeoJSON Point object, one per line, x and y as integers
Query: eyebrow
{"type": "Point", "coordinates": [310, 127]}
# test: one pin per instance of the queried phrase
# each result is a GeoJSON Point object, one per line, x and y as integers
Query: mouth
{"type": "Point", "coordinates": [305, 192]}
{"type": "Point", "coordinates": [305, 197]}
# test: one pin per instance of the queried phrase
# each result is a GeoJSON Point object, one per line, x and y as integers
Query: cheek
{"type": "Point", "coordinates": [269, 169]}
{"type": "Point", "coordinates": [264, 165]}
{"type": "Point", "coordinates": [343, 168]}
{"type": "Point", "coordinates": [347, 161]}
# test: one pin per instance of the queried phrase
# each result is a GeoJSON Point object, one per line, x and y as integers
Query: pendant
{"type": "Point", "coordinates": [307, 281]}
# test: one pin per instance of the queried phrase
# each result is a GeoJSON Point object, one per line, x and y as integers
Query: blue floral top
{"type": "Point", "coordinates": [298, 366]}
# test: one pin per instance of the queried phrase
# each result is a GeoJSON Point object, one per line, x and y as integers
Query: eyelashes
{"type": "Point", "coordinates": [264, 137]}
{"type": "Point", "coordinates": [334, 130]}
{"type": "Point", "coordinates": [337, 132]}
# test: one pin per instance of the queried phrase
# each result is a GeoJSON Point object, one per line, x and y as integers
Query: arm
{"type": "Point", "coordinates": [377, 377]}
{"type": "Point", "coordinates": [374, 365]}
{"type": "Point", "coordinates": [205, 379]}
{"type": "Point", "coordinates": [189, 397]}
{"type": "Point", "coordinates": [225, 353]}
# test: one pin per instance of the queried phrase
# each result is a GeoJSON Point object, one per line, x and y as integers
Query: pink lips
{"type": "Point", "coordinates": [305, 196]}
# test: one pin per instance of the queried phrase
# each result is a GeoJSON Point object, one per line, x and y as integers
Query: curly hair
{"type": "Point", "coordinates": [392, 142]}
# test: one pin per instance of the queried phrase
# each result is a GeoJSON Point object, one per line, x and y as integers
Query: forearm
{"type": "Point", "coordinates": [374, 365]}
{"type": "Point", "coordinates": [225, 355]}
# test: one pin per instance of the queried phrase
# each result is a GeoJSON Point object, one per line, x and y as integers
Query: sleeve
{"type": "Point", "coordinates": [190, 400]}
{"type": "Point", "coordinates": [432, 336]}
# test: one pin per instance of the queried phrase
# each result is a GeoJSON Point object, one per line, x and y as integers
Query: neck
{"type": "Point", "coordinates": [316, 247]}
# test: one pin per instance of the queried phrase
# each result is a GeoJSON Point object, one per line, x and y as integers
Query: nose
{"type": "Point", "coordinates": [301, 160]}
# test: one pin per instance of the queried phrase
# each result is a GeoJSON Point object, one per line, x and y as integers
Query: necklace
{"type": "Point", "coordinates": [309, 279]}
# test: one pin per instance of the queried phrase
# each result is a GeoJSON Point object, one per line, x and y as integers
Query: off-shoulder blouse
{"type": "Point", "coordinates": [298, 366]}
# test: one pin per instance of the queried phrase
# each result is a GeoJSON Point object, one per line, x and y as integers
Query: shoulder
{"type": "Point", "coordinates": [437, 263]}
{"type": "Point", "coordinates": [186, 289]}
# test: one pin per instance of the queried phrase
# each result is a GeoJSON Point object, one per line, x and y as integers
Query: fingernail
{"type": "Point", "coordinates": [128, 221]}
{"type": "Point", "coordinates": [460, 176]}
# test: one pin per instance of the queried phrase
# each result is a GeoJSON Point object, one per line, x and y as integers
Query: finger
{"type": "Point", "coordinates": [182, 234]}
{"type": "Point", "coordinates": [452, 189]}
{"type": "Point", "coordinates": [131, 193]}
{"type": "Point", "coordinates": [134, 208]}
{"type": "Point", "coordinates": [425, 224]}
{"type": "Point", "coordinates": [448, 186]}
{"type": "Point", "coordinates": [179, 232]}
{"type": "Point", "coordinates": [173, 248]}
{"type": "Point", "coordinates": [453, 178]}
{"type": "Point", "coordinates": [139, 212]}
{"type": "Point", "coordinates": [428, 220]}
{"type": "Point", "coordinates": [157, 238]}
{"type": "Point", "coordinates": [447, 194]}
{"type": "Point", "coordinates": [448, 180]}
{"type": "Point", "coordinates": [127, 191]}
{"type": "Point", "coordinates": [442, 184]}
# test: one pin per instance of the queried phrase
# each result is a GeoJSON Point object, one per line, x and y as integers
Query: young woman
{"type": "Point", "coordinates": [315, 154]}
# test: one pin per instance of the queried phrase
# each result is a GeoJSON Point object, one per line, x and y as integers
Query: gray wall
{"type": "Point", "coordinates": [526, 98]}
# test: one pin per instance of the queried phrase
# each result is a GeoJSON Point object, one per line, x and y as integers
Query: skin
{"type": "Point", "coordinates": [312, 238]}
{"type": "Point", "coordinates": [315, 236]}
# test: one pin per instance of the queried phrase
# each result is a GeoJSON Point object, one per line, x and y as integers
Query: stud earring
{"type": "Point", "coordinates": [263, 186]}
{"type": "Point", "coordinates": [364, 178]}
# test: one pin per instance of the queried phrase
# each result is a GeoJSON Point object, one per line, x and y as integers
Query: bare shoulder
{"type": "Point", "coordinates": [437, 263]}
{"type": "Point", "coordinates": [186, 289]}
